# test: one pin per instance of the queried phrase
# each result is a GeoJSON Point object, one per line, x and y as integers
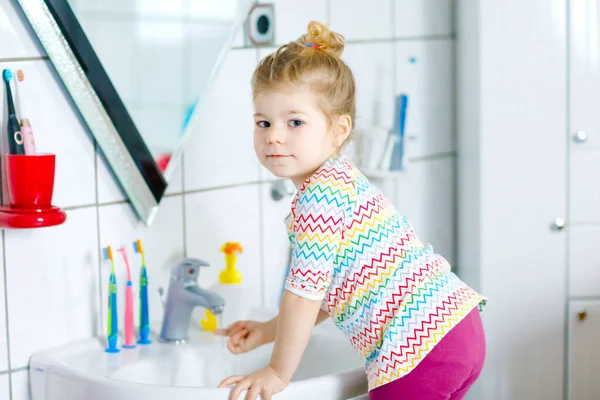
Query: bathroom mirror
{"type": "Point", "coordinates": [136, 70]}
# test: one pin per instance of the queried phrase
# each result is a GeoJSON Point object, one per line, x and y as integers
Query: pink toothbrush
{"type": "Point", "coordinates": [129, 334]}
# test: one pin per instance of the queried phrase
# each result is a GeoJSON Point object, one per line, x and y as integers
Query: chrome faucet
{"type": "Point", "coordinates": [183, 296]}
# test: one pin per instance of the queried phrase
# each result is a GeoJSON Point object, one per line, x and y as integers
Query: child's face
{"type": "Point", "coordinates": [292, 137]}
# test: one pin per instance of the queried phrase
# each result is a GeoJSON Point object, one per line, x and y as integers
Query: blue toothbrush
{"type": "Point", "coordinates": [144, 314]}
{"type": "Point", "coordinates": [398, 153]}
{"type": "Point", "coordinates": [113, 321]}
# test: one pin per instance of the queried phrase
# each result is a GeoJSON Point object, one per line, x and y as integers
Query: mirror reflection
{"type": "Point", "coordinates": [160, 57]}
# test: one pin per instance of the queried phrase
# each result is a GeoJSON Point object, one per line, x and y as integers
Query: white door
{"type": "Point", "coordinates": [584, 350]}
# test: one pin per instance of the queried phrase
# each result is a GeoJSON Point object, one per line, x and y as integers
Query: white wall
{"type": "Point", "coordinates": [512, 88]}
{"type": "Point", "coordinates": [52, 290]}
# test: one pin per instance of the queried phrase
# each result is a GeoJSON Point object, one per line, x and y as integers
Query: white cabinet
{"type": "Point", "coordinates": [584, 350]}
{"type": "Point", "coordinates": [584, 260]}
{"type": "Point", "coordinates": [584, 74]}
{"type": "Point", "coordinates": [584, 192]}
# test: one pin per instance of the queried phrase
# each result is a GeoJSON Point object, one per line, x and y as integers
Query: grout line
{"type": "Point", "coordinates": [20, 59]}
{"type": "Point", "coordinates": [261, 245]}
{"type": "Point", "coordinates": [6, 310]}
{"type": "Point", "coordinates": [392, 19]}
{"type": "Point", "coordinates": [188, 94]}
{"type": "Point", "coordinates": [396, 89]}
{"type": "Point", "coordinates": [450, 36]}
{"type": "Point", "coordinates": [175, 194]}
{"type": "Point", "coordinates": [71, 208]}
{"type": "Point", "coordinates": [5, 372]}
{"type": "Point", "coordinates": [432, 157]}
{"type": "Point", "coordinates": [183, 208]}
{"type": "Point", "coordinates": [20, 369]}
{"type": "Point", "coordinates": [584, 298]}
{"type": "Point", "coordinates": [234, 185]}
{"type": "Point", "coordinates": [99, 283]}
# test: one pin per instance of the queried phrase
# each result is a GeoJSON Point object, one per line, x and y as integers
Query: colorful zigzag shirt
{"type": "Point", "coordinates": [391, 295]}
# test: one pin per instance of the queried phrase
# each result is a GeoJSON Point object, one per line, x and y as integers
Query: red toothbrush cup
{"type": "Point", "coordinates": [30, 180]}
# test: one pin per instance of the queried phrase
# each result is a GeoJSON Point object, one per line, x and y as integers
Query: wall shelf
{"type": "Point", "coordinates": [31, 218]}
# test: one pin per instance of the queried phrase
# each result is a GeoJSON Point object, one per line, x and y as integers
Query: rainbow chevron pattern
{"type": "Point", "coordinates": [391, 295]}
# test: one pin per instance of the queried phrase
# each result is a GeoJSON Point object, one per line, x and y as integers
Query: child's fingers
{"type": "Point", "coordinates": [231, 329]}
{"type": "Point", "coordinates": [238, 336]}
{"type": "Point", "coordinates": [237, 341]}
{"type": "Point", "coordinates": [230, 380]}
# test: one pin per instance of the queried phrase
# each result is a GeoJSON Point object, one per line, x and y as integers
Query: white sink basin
{"type": "Point", "coordinates": [329, 369]}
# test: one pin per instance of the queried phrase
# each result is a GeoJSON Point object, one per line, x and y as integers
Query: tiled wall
{"type": "Point", "coordinates": [53, 282]}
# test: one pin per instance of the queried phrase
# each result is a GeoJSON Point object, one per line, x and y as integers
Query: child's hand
{"type": "Point", "coordinates": [265, 382]}
{"type": "Point", "coordinates": [246, 335]}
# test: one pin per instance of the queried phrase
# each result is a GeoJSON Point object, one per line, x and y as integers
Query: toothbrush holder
{"type": "Point", "coordinates": [30, 180]}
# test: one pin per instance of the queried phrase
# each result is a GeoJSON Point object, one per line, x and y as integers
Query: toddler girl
{"type": "Point", "coordinates": [354, 257]}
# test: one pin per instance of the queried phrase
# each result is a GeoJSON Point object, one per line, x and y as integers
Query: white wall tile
{"type": "Point", "coordinates": [584, 265]}
{"type": "Point", "coordinates": [221, 150]}
{"type": "Point", "coordinates": [292, 17]}
{"type": "Point", "coordinates": [362, 20]}
{"type": "Point", "coordinates": [3, 344]}
{"type": "Point", "coordinates": [424, 71]}
{"type": "Point", "coordinates": [372, 66]}
{"type": "Point", "coordinates": [163, 246]}
{"type": "Point", "coordinates": [57, 129]}
{"type": "Point", "coordinates": [20, 385]}
{"type": "Point", "coordinates": [425, 194]}
{"type": "Point", "coordinates": [17, 39]}
{"type": "Point", "coordinates": [52, 277]}
{"type": "Point", "coordinates": [226, 215]}
{"type": "Point", "coordinates": [275, 244]}
{"type": "Point", "coordinates": [4, 387]}
{"type": "Point", "coordinates": [584, 189]}
{"type": "Point", "coordinates": [423, 17]}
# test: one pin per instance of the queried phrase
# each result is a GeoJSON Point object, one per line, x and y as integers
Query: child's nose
{"type": "Point", "coordinates": [275, 135]}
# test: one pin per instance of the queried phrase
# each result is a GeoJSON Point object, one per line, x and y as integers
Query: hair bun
{"type": "Point", "coordinates": [324, 38]}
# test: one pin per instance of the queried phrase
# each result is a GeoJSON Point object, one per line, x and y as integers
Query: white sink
{"type": "Point", "coordinates": [329, 369]}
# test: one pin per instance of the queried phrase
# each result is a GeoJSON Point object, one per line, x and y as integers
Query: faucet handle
{"type": "Point", "coordinates": [188, 269]}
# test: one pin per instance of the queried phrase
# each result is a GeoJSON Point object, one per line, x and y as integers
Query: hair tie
{"type": "Point", "coordinates": [315, 46]}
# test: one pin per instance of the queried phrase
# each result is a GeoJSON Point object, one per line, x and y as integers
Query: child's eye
{"type": "Point", "coordinates": [295, 123]}
{"type": "Point", "coordinates": [263, 124]}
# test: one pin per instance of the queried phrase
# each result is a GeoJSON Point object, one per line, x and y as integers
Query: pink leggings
{"type": "Point", "coordinates": [448, 371]}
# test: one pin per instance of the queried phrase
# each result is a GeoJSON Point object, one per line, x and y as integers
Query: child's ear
{"type": "Point", "coordinates": [342, 130]}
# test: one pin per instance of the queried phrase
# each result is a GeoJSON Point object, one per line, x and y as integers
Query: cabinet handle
{"type": "Point", "coordinates": [580, 136]}
{"type": "Point", "coordinates": [558, 224]}
{"type": "Point", "coordinates": [582, 315]}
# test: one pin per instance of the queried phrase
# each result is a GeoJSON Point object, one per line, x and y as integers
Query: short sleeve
{"type": "Point", "coordinates": [318, 227]}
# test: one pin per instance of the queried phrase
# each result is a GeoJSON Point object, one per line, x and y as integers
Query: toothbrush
{"type": "Point", "coordinates": [398, 158]}
{"type": "Point", "coordinates": [15, 137]}
{"type": "Point", "coordinates": [26, 130]}
{"type": "Point", "coordinates": [113, 326]}
{"type": "Point", "coordinates": [144, 317]}
{"type": "Point", "coordinates": [129, 335]}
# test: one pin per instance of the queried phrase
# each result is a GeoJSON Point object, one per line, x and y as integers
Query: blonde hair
{"type": "Point", "coordinates": [312, 59]}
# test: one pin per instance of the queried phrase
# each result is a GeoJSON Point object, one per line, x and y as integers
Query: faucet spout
{"type": "Point", "coordinates": [207, 299]}
{"type": "Point", "coordinates": [184, 295]}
